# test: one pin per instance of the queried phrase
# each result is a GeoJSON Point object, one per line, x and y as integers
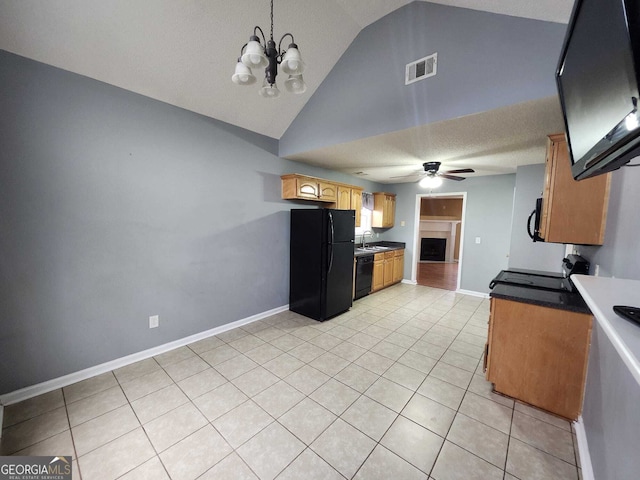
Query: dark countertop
{"type": "Point", "coordinates": [571, 301]}
{"type": "Point", "coordinates": [390, 247]}
{"type": "Point", "coordinates": [536, 272]}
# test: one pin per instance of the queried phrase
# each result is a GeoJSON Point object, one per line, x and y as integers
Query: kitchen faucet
{"type": "Point", "coordinates": [364, 234]}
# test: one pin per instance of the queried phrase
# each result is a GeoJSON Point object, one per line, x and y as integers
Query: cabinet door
{"type": "Point", "coordinates": [539, 355]}
{"type": "Point", "coordinates": [398, 268]}
{"type": "Point", "coordinates": [389, 210]}
{"type": "Point", "coordinates": [388, 268]}
{"type": "Point", "coordinates": [383, 210]}
{"type": "Point", "coordinates": [307, 188]}
{"type": "Point", "coordinates": [356, 203]}
{"type": "Point", "coordinates": [572, 211]}
{"type": "Point", "coordinates": [328, 192]}
{"type": "Point", "coordinates": [487, 348]}
{"type": "Point", "coordinates": [377, 281]}
{"type": "Point", "coordinates": [344, 198]}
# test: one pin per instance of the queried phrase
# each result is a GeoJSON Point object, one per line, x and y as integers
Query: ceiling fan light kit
{"type": "Point", "coordinates": [430, 182]}
{"type": "Point", "coordinates": [257, 54]}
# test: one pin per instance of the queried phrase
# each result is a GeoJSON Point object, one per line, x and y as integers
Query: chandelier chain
{"type": "Point", "coordinates": [271, 19]}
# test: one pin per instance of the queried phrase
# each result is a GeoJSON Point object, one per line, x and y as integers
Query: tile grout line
{"type": "Point", "coordinates": [73, 441]}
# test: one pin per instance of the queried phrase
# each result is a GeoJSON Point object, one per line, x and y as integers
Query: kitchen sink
{"type": "Point", "coordinates": [372, 249]}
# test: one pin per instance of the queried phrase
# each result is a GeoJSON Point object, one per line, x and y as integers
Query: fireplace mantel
{"type": "Point", "coordinates": [441, 229]}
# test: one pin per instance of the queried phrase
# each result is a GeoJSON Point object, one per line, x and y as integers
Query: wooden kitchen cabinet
{"type": "Point", "coordinates": [356, 203]}
{"type": "Point", "coordinates": [388, 268]}
{"type": "Point", "coordinates": [338, 195]}
{"type": "Point", "coordinates": [377, 281]}
{"type": "Point", "coordinates": [384, 210]}
{"type": "Point", "coordinates": [398, 266]}
{"type": "Point", "coordinates": [301, 187]}
{"type": "Point", "coordinates": [572, 211]}
{"type": "Point", "coordinates": [350, 198]}
{"type": "Point", "coordinates": [539, 355]}
{"type": "Point", "coordinates": [344, 198]}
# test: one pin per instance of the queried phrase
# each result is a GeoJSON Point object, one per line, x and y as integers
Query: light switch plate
{"type": "Point", "coordinates": [477, 239]}
{"type": "Point", "coordinates": [154, 321]}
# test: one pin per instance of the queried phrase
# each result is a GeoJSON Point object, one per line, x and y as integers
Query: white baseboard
{"type": "Point", "coordinates": [55, 383]}
{"type": "Point", "coordinates": [472, 293]}
{"type": "Point", "coordinates": [583, 450]}
{"type": "Point", "coordinates": [409, 282]}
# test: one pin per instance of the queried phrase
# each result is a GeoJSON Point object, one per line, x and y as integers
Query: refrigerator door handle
{"type": "Point", "coordinates": [331, 241]}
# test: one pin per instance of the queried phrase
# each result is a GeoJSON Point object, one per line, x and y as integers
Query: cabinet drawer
{"type": "Point", "coordinates": [389, 254]}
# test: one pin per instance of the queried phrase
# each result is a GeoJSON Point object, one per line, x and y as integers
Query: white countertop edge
{"type": "Point", "coordinates": [630, 360]}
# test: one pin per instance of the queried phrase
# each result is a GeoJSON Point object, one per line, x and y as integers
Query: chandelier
{"type": "Point", "coordinates": [256, 54]}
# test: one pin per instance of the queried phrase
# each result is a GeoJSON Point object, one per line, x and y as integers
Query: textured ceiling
{"type": "Point", "coordinates": [491, 143]}
{"type": "Point", "coordinates": [184, 52]}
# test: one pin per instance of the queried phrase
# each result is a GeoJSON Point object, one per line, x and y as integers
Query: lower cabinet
{"type": "Point", "coordinates": [398, 266]}
{"type": "Point", "coordinates": [539, 355]}
{"type": "Point", "coordinates": [377, 282]}
{"type": "Point", "coordinates": [388, 268]}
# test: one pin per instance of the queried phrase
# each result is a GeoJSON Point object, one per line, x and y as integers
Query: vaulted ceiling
{"type": "Point", "coordinates": [184, 52]}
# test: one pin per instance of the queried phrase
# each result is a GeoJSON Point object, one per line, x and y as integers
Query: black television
{"type": "Point", "coordinates": [597, 79]}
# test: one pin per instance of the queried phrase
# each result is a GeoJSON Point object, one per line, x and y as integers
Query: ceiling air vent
{"type": "Point", "coordinates": [420, 69]}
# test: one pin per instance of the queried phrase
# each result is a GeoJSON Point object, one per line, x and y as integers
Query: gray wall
{"type": "Point", "coordinates": [524, 252]}
{"type": "Point", "coordinates": [485, 61]}
{"type": "Point", "coordinates": [610, 411]}
{"type": "Point", "coordinates": [488, 216]}
{"type": "Point", "coordinates": [114, 207]}
{"type": "Point", "coordinates": [620, 254]}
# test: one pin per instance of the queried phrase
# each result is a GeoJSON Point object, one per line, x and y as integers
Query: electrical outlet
{"type": "Point", "coordinates": [596, 271]}
{"type": "Point", "coordinates": [477, 239]}
{"type": "Point", "coordinates": [154, 321]}
{"type": "Point", "coordinates": [402, 223]}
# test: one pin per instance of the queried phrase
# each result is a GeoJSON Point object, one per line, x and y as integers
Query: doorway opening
{"type": "Point", "coordinates": [438, 240]}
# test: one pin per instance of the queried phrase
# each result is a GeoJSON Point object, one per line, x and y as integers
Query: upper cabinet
{"type": "Point", "coordinates": [338, 195]}
{"type": "Point", "coordinates": [572, 211]}
{"type": "Point", "coordinates": [384, 210]}
{"type": "Point", "coordinates": [308, 188]}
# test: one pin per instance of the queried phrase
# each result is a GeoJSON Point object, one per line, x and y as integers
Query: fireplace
{"type": "Point", "coordinates": [433, 249]}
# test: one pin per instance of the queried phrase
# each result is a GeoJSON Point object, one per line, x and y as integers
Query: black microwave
{"type": "Point", "coordinates": [535, 216]}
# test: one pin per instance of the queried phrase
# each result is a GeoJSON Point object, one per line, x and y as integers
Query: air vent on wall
{"type": "Point", "coordinates": [420, 69]}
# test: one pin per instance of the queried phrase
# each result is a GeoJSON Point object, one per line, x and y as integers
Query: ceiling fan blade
{"type": "Point", "coordinates": [451, 177]}
{"type": "Point", "coordinates": [461, 170]}
{"type": "Point", "coordinates": [417, 174]}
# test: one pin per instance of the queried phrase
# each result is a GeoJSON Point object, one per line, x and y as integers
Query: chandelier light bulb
{"type": "Point", "coordinates": [253, 56]}
{"type": "Point", "coordinates": [430, 182]}
{"type": "Point", "coordinates": [243, 75]}
{"type": "Point", "coordinates": [292, 63]}
{"type": "Point", "coordinates": [295, 84]}
{"type": "Point", "coordinates": [268, 90]}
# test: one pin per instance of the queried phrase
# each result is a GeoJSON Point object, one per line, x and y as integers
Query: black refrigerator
{"type": "Point", "coordinates": [321, 262]}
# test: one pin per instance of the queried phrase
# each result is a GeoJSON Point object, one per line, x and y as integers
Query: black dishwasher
{"type": "Point", "coordinates": [364, 273]}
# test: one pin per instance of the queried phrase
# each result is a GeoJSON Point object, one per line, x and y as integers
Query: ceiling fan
{"type": "Point", "coordinates": [433, 177]}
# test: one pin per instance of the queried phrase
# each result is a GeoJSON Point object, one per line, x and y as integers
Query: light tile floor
{"type": "Point", "coordinates": [391, 389]}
